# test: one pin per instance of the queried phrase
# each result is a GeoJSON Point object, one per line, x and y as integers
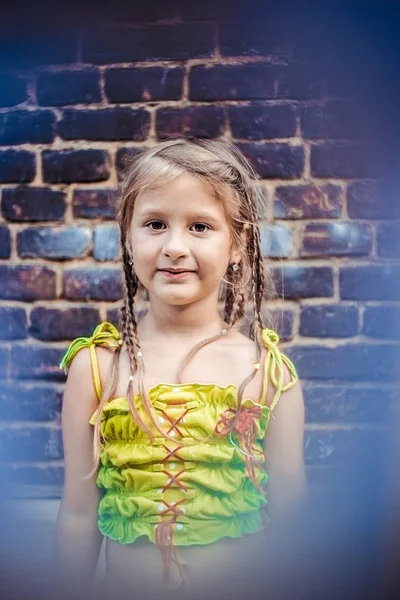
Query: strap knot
{"type": "Point", "coordinates": [270, 338]}
{"type": "Point", "coordinates": [104, 333]}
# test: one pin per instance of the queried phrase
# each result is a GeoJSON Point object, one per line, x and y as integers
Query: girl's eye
{"type": "Point", "coordinates": [155, 225]}
{"type": "Point", "coordinates": [159, 225]}
{"type": "Point", "coordinates": [201, 225]}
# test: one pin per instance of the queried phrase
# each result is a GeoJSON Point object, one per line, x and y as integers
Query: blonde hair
{"type": "Point", "coordinates": [230, 177]}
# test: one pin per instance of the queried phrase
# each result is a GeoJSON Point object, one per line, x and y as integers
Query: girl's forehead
{"type": "Point", "coordinates": [182, 193]}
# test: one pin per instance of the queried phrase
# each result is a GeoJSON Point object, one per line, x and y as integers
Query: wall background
{"type": "Point", "coordinates": [308, 94]}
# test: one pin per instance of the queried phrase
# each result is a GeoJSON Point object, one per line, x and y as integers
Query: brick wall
{"type": "Point", "coordinates": [77, 99]}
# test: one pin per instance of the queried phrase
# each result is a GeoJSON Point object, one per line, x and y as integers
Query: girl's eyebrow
{"type": "Point", "coordinates": [195, 216]}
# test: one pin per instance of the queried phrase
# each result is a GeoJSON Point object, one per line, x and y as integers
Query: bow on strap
{"type": "Point", "coordinates": [245, 424]}
{"type": "Point", "coordinates": [246, 432]}
{"type": "Point", "coordinates": [273, 366]}
{"type": "Point", "coordinates": [105, 333]}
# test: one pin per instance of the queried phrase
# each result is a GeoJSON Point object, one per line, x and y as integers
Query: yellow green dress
{"type": "Point", "coordinates": [175, 494]}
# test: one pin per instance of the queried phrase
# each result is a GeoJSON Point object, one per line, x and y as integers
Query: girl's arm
{"type": "Point", "coordinates": [284, 451]}
{"type": "Point", "coordinates": [77, 540]}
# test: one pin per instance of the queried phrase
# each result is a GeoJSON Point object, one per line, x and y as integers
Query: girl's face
{"type": "Point", "coordinates": [180, 227]}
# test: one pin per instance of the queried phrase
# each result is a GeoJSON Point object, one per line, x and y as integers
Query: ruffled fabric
{"type": "Point", "coordinates": [182, 495]}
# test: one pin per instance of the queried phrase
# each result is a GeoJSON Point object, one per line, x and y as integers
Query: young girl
{"type": "Point", "coordinates": [175, 406]}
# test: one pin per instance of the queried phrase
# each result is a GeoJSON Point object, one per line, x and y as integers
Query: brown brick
{"type": "Point", "coordinates": [5, 242]}
{"type": "Point", "coordinates": [144, 85]}
{"type": "Point", "coordinates": [92, 284]}
{"type": "Point", "coordinates": [252, 81]}
{"type": "Point", "coordinates": [67, 166]}
{"type": "Point", "coordinates": [68, 87]}
{"type": "Point", "coordinates": [67, 324]}
{"type": "Point", "coordinates": [308, 201]}
{"type": "Point", "coordinates": [27, 126]}
{"type": "Point", "coordinates": [194, 121]}
{"type": "Point", "coordinates": [36, 361]}
{"type": "Point", "coordinates": [336, 239]}
{"type": "Point", "coordinates": [105, 124]}
{"type": "Point", "coordinates": [275, 160]}
{"type": "Point", "coordinates": [373, 200]}
{"type": "Point", "coordinates": [17, 166]}
{"type": "Point", "coordinates": [336, 403]}
{"type": "Point", "coordinates": [370, 282]}
{"type": "Point", "coordinates": [329, 320]}
{"type": "Point", "coordinates": [348, 362]}
{"type": "Point", "coordinates": [27, 402]}
{"type": "Point", "coordinates": [262, 122]}
{"type": "Point", "coordinates": [303, 282]}
{"type": "Point", "coordinates": [343, 159]}
{"type": "Point", "coordinates": [91, 203]}
{"type": "Point", "coordinates": [24, 203]}
{"type": "Point", "coordinates": [54, 243]}
{"type": "Point", "coordinates": [27, 282]}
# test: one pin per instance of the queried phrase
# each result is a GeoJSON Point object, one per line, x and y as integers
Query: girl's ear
{"type": "Point", "coordinates": [236, 256]}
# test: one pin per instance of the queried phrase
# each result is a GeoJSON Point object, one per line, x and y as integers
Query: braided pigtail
{"type": "Point", "coordinates": [131, 337]}
{"type": "Point", "coordinates": [235, 298]}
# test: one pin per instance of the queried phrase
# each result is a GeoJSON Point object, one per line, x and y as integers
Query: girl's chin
{"type": "Point", "coordinates": [175, 297]}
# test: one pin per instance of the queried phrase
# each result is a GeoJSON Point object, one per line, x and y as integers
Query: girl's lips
{"type": "Point", "coordinates": [176, 274]}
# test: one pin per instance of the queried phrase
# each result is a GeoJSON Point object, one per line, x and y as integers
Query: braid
{"type": "Point", "coordinates": [235, 298]}
{"type": "Point", "coordinates": [130, 333]}
{"type": "Point", "coordinates": [259, 271]}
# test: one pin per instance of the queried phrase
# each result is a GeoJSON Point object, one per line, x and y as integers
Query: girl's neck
{"type": "Point", "coordinates": [180, 324]}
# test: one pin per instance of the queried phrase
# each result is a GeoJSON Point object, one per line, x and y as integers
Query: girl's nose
{"type": "Point", "coordinates": [174, 246]}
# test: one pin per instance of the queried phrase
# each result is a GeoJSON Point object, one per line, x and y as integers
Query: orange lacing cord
{"type": "Point", "coordinates": [164, 530]}
{"type": "Point", "coordinates": [174, 424]}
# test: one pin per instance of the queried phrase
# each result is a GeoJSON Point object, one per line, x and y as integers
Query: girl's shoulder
{"type": "Point", "coordinates": [271, 348]}
{"type": "Point", "coordinates": [276, 371]}
{"type": "Point", "coordinates": [90, 357]}
{"type": "Point", "coordinates": [235, 351]}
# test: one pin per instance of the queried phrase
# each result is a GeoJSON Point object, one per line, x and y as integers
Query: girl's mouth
{"type": "Point", "coordinates": [175, 274]}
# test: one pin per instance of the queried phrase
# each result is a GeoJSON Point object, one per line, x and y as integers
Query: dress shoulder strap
{"type": "Point", "coordinates": [104, 333]}
{"type": "Point", "coordinates": [273, 366]}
